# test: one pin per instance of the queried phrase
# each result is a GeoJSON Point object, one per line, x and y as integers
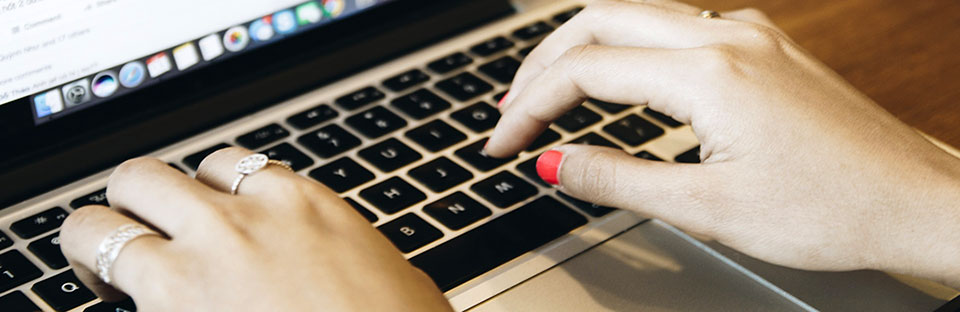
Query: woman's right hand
{"type": "Point", "coordinates": [798, 167]}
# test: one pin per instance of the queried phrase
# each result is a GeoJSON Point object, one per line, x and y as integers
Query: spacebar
{"type": "Point", "coordinates": [493, 244]}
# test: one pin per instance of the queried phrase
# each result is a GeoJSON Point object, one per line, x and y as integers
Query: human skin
{"type": "Point", "coordinates": [799, 169]}
{"type": "Point", "coordinates": [283, 243]}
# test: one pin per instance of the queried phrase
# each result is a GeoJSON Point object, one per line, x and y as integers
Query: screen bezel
{"type": "Point", "coordinates": [34, 158]}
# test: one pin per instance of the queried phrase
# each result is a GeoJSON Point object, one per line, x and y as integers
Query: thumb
{"type": "Point", "coordinates": [680, 194]}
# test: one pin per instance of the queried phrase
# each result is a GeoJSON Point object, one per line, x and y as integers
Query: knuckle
{"type": "Point", "coordinates": [597, 10]}
{"type": "Point", "coordinates": [754, 12]}
{"type": "Point", "coordinates": [221, 155]}
{"type": "Point", "coordinates": [134, 167]}
{"type": "Point", "coordinates": [760, 34]}
{"type": "Point", "coordinates": [131, 169]}
{"type": "Point", "coordinates": [718, 61]}
{"type": "Point", "coordinates": [80, 218]}
{"type": "Point", "coordinates": [294, 187]}
{"type": "Point", "coordinates": [575, 60]}
{"type": "Point", "coordinates": [596, 174]}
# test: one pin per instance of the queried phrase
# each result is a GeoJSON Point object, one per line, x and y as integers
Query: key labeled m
{"type": "Point", "coordinates": [503, 187]}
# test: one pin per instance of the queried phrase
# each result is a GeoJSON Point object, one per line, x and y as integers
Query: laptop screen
{"type": "Point", "coordinates": [64, 56]}
{"type": "Point", "coordinates": [86, 84]}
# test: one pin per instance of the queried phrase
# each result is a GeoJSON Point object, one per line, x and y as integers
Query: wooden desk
{"type": "Point", "coordinates": [905, 55]}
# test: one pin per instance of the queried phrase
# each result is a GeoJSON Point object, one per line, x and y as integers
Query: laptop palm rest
{"type": "Point", "coordinates": [649, 267]}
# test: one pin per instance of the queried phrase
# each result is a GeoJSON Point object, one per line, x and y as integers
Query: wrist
{"type": "Point", "coordinates": [922, 237]}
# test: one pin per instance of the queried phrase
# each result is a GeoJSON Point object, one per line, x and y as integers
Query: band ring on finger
{"type": "Point", "coordinates": [250, 165]}
{"type": "Point", "coordinates": [709, 14]}
{"type": "Point", "coordinates": [110, 247]}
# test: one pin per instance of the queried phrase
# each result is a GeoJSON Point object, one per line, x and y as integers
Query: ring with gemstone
{"type": "Point", "coordinates": [251, 164]}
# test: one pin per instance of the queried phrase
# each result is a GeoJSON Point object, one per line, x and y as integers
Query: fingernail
{"type": "Point", "coordinates": [548, 165]}
{"type": "Point", "coordinates": [504, 98]}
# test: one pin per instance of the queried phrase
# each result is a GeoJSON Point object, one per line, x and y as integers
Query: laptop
{"type": "Point", "coordinates": [388, 102]}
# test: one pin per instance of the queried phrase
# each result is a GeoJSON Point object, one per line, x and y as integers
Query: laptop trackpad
{"type": "Point", "coordinates": [648, 267]}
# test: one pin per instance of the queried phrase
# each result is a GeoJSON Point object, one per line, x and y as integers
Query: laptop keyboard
{"type": "Point", "coordinates": [428, 139]}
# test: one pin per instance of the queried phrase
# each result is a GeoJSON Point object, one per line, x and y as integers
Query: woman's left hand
{"type": "Point", "coordinates": [284, 243]}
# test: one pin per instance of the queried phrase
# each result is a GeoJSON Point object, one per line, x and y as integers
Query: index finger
{"type": "Point", "coordinates": [619, 23]}
{"type": "Point", "coordinates": [612, 74]}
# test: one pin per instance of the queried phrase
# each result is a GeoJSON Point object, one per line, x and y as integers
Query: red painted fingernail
{"type": "Point", "coordinates": [504, 98]}
{"type": "Point", "coordinates": [548, 166]}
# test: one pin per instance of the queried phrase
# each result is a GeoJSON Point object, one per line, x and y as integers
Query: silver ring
{"type": "Point", "coordinates": [110, 247]}
{"type": "Point", "coordinates": [708, 14]}
{"type": "Point", "coordinates": [250, 164]}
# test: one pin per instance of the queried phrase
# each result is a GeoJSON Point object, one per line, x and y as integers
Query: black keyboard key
{"type": "Point", "coordinates": [477, 158]}
{"type": "Point", "coordinates": [491, 46]}
{"type": "Point", "coordinates": [532, 31]}
{"type": "Point", "coordinates": [566, 15]}
{"type": "Point", "coordinates": [457, 211]}
{"type": "Point", "coordinates": [609, 107]}
{"type": "Point", "coordinates": [289, 155]}
{"type": "Point", "coordinates": [633, 130]}
{"type": "Point", "coordinates": [648, 156]}
{"type": "Point", "coordinates": [450, 62]}
{"type": "Point", "coordinates": [63, 291]}
{"type": "Point", "coordinates": [478, 117]}
{"type": "Point", "coordinates": [546, 138]}
{"type": "Point", "coordinates": [436, 135]}
{"type": "Point", "coordinates": [122, 306]}
{"type": "Point", "coordinates": [578, 119]}
{"type": "Point", "coordinates": [440, 175]}
{"type": "Point", "coordinates": [193, 160]}
{"type": "Point", "coordinates": [496, 242]}
{"type": "Point", "coordinates": [689, 157]}
{"type": "Point", "coordinates": [389, 155]}
{"type": "Point", "coordinates": [594, 139]}
{"type": "Point", "coordinates": [525, 51]}
{"type": "Point", "coordinates": [504, 189]}
{"type": "Point", "coordinates": [48, 250]}
{"type": "Point", "coordinates": [464, 86]}
{"type": "Point", "coordinates": [392, 195]}
{"type": "Point", "coordinates": [5, 241]}
{"type": "Point", "coordinates": [591, 209]}
{"type": "Point", "coordinates": [342, 175]}
{"type": "Point", "coordinates": [312, 117]}
{"type": "Point", "coordinates": [420, 104]}
{"type": "Point", "coordinates": [40, 223]}
{"type": "Point", "coordinates": [16, 270]}
{"type": "Point", "coordinates": [329, 141]}
{"type": "Point", "coordinates": [370, 216]}
{"type": "Point", "coordinates": [410, 232]}
{"type": "Point", "coordinates": [98, 197]}
{"type": "Point", "coordinates": [529, 169]}
{"type": "Point", "coordinates": [359, 98]}
{"type": "Point", "coordinates": [666, 120]}
{"type": "Point", "coordinates": [405, 80]}
{"type": "Point", "coordinates": [18, 302]}
{"type": "Point", "coordinates": [263, 136]}
{"type": "Point", "coordinates": [376, 122]}
{"type": "Point", "coordinates": [502, 69]}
